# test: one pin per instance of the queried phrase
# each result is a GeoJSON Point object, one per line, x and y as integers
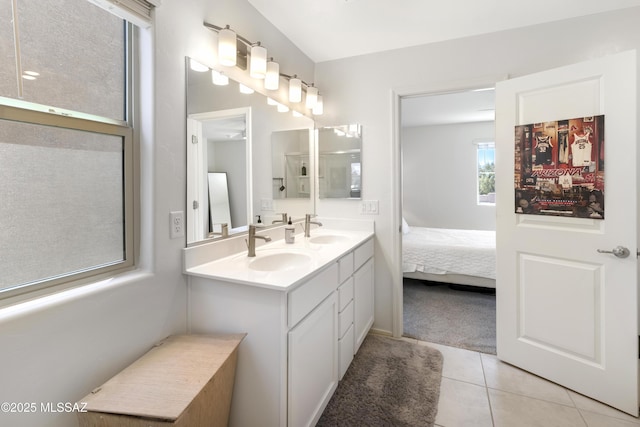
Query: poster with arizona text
{"type": "Point", "coordinates": [559, 168]}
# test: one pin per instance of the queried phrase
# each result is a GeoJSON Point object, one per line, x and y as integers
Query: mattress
{"type": "Point", "coordinates": [446, 251]}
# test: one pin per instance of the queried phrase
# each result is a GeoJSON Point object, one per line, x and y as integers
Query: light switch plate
{"type": "Point", "coordinates": [369, 207]}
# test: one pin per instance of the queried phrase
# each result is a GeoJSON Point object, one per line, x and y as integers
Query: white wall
{"type": "Point", "coordinates": [360, 90]}
{"type": "Point", "coordinates": [58, 349]}
{"type": "Point", "coordinates": [439, 175]}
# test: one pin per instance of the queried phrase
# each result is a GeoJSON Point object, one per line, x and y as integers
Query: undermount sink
{"type": "Point", "coordinates": [327, 239]}
{"type": "Point", "coordinates": [280, 261]}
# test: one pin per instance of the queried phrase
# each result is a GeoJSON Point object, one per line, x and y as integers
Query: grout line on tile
{"type": "Point", "coordinates": [486, 390]}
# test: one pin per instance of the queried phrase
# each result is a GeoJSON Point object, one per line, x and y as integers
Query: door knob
{"type": "Point", "coordinates": [619, 251]}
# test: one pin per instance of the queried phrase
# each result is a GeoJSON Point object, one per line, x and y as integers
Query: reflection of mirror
{"type": "Point", "coordinates": [218, 143]}
{"type": "Point", "coordinates": [339, 162]}
{"type": "Point", "coordinates": [290, 164]}
{"type": "Point", "coordinates": [245, 158]}
{"type": "Point", "coordinates": [219, 209]}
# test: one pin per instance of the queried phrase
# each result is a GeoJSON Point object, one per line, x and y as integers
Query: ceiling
{"type": "Point", "coordinates": [332, 29]}
{"type": "Point", "coordinates": [460, 107]}
{"type": "Point", "coordinates": [326, 30]}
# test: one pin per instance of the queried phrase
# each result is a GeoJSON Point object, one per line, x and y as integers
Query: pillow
{"type": "Point", "coordinates": [405, 227]}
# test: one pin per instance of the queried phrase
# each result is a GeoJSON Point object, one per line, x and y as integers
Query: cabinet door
{"type": "Point", "coordinates": [313, 363]}
{"type": "Point", "coordinates": [364, 300]}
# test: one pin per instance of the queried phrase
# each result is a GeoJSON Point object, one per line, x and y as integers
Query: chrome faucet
{"type": "Point", "coordinates": [283, 220]}
{"type": "Point", "coordinates": [224, 231]}
{"type": "Point", "coordinates": [307, 225]}
{"type": "Point", "coordinates": [251, 242]}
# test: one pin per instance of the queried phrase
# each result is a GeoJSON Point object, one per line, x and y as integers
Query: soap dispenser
{"type": "Point", "coordinates": [289, 232]}
{"type": "Point", "coordinates": [304, 170]}
{"type": "Point", "coordinates": [259, 219]}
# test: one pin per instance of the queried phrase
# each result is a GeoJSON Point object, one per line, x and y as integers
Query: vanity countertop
{"type": "Point", "coordinates": [279, 265]}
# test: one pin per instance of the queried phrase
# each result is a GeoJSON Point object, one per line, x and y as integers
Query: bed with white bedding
{"type": "Point", "coordinates": [466, 257]}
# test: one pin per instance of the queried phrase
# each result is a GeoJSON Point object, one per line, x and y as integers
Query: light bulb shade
{"type": "Point", "coordinates": [271, 101]}
{"type": "Point", "coordinates": [227, 47]}
{"type": "Point", "coordinates": [196, 66]}
{"type": "Point", "coordinates": [245, 89]}
{"type": "Point", "coordinates": [282, 108]}
{"type": "Point", "coordinates": [272, 79]}
{"type": "Point", "coordinates": [258, 62]}
{"type": "Point", "coordinates": [312, 97]}
{"type": "Point", "coordinates": [219, 79]}
{"type": "Point", "coordinates": [318, 109]}
{"type": "Point", "coordinates": [295, 90]}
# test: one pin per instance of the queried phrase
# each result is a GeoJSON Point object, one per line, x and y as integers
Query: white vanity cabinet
{"type": "Point", "coordinates": [363, 286]}
{"type": "Point", "coordinates": [300, 337]}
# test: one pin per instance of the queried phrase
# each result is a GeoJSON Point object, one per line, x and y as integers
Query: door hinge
{"type": "Point", "coordinates": [196, 205]}
{"type": "Point", "coordinates": [194, 139]}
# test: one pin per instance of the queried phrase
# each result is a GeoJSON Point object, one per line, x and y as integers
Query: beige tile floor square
{"type": "Point", "coordinates": [478, 390]}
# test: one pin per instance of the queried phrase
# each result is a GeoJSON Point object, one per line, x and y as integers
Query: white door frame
{"type": "Point", "coordinates": [396, 176]}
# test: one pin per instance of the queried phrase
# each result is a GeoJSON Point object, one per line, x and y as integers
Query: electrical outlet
{"type": "Point", "coordinates": [176, 220]}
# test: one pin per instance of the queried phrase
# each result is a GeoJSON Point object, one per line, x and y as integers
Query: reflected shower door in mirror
{"type": "Point", "coordinates": [340, 162]}
{"type": "Point", "coordinates": [206, 101]}
{"type": "Point", "coordinates": [218, 171]}
{"type": "Point", "coordinates": [291, 164]}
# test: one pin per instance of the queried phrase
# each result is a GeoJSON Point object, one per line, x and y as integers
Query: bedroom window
{"type": "Point", "coordinates": [486, 166]}
{"type": "Point", "coordinates": [66, 145]}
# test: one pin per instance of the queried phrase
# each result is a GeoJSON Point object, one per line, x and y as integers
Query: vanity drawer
{"type": "Point", "coordinates": [345, 351]}
{"type": "Point", "coordinates": [306, 297]}
{"type": "Point", "coordinates": [345, 319]}
{"type": "Point", "coordinates": [345, 293]}
{"type": "Point", "coordinates": [363, 253]}
{"type": "Point", "coordinates": [346, 266]}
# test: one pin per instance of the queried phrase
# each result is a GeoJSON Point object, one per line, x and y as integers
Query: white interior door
{"type": "Point", "coordinates": [565, 311]}
{"type": "Point", "coordinates": [197, 206]}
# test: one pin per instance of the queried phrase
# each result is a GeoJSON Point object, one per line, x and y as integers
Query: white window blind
{"type": "Point", "coordinates": [138, 12]}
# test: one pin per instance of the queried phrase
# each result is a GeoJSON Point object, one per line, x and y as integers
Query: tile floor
{"type": "Point", "coordinates": [478, 390]}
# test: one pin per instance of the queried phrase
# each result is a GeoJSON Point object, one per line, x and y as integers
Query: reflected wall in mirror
{"type": "Point", "coordinates": [244, 157]}
{"type": "Point", "coordinates": [339, 162]}
{"type": "Point", "coordinates": [291, 164]}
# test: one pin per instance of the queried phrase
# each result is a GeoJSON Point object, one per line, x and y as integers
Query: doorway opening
{"type": "Point", "coordinates": [448, 218]}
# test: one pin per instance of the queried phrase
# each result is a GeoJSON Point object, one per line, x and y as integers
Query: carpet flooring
{"type": "Point", "coordinates": [389, 383]}
{"type": "Point", "coordinates": [463, 317]}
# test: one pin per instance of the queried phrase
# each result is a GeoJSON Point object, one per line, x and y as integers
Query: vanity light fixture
{"type": "Point", "coordinates": [218, 78]}
{"type": "Point", "coordinates": [258, 62]}
{"type": "Point", "coordinates": [318, 109]}
{"type": "Point", "coordinates": [196, 66]}
{"type": "Point", "coordinates": [272, 78]}
{"type": "Point", "coordinates": [295, 89]}
{"type": "Point", "coordinates": [282, 108]}
{"type": "Point", "coordinates": [245, 89]}
{"type": "Point", "coordinates": [253, 56]}
{"type": "Point", "coordinates": [227, 47]}
{"type": "Point", "coordinates": [312, 96]}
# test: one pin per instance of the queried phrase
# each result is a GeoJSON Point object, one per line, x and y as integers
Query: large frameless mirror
{"type": "Point", "coordinates": [340, 162]}
{"type": "Point", "coordinates": [231, 133]}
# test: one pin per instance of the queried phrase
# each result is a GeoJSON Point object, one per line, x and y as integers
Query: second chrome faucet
{"type": "Point", "coordinates": [307, 225]}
